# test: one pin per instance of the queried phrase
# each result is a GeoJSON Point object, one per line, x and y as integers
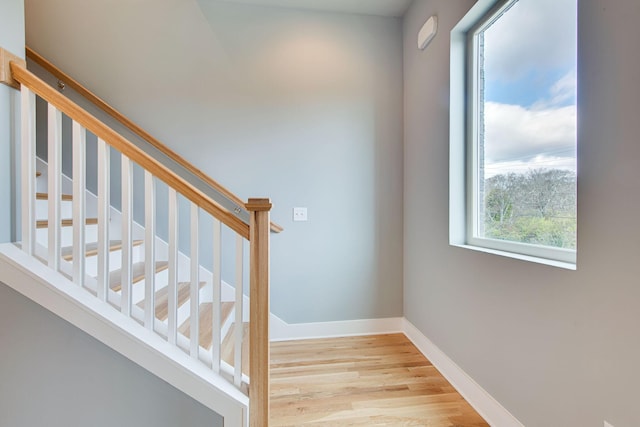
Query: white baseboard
{"type": "Point", "coordinates": [489, 408]}
{"type": "Point", "coordinates": [283, 331]}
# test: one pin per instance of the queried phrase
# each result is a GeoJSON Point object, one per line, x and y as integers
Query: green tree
{"type": "Point", "coordinates": [537, 207]}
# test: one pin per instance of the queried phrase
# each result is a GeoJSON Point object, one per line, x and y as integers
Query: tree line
{"type": "Point", "coordinates": [537, 207]}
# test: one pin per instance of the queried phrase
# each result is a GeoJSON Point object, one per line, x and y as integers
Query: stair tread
{"type": "Point", "coordinates": [228, 347]}
{"type": "Point", "coordinates": [227, 308]}
{"type": "Point", "coordinates": [91, 249]}
{"type": "Point", "coordinates": [45, 196]}
{"type": "Point", "coordinates": [162, 299]}
{"type": "Point", "coordinates": [137, 273]}
{"type": "Point", "coordinates": [206, 323]}
{"type": "Point", "coordinates": [44, 223]}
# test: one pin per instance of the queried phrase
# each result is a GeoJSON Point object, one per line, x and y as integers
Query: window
{"type": "Point", "coordinates": [515, 67]}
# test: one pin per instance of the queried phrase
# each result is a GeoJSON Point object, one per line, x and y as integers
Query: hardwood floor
{"type": "Point", "coordinates": [378, 380]}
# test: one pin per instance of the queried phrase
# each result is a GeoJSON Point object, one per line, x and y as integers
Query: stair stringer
{"type": "Point", "coordinates": [57, 294]}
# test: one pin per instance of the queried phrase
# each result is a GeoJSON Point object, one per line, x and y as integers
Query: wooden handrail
{"type": "Point", "coordinates": [91, 97]}
{"type": "Point", "coordinates": [137, 155]}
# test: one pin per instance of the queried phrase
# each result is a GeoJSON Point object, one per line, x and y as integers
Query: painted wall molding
{"type": "Point", "coordinates": [283, 331]}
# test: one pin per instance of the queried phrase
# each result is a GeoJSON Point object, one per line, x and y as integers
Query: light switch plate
{"type": "Point", "coordinates": [299, 214]}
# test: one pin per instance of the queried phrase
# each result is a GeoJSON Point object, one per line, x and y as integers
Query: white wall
{"type": "Point", "coordinates": [555, 347]}
{"type": "Point", "coordinates": [302, 107]}
{"type": "Point", "coordinates": [11, 39]}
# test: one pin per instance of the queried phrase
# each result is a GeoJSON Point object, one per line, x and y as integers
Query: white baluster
{"type": "Point", "coordinates": [173, 267]}
{"type": "Point", "coordinates": [127, 219]}
{"type": "Point", "coordinates": [104, 165]}
{"type": "Point", "coordinates": [54, 182]}
{"type": "Point", "coordinates": [217, 295]}
{"type": "Point", "coordinates": [237, 359]}
{"type": "Point", "coordinates": [79, 212]}
{"type": "Point", "coordinates": [149, 250]}
{"type": "Point", "coordinates": [194, 326]}
{"type": "Point", "coordinates": [28, 165]}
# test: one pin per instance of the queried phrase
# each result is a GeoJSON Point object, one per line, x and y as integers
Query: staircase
{"type": "Point", "coordinates": [160, 300]}
{"type": "Point", "coordinates": [178, 313]}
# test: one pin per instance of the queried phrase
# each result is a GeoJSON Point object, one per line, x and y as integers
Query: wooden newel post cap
{"type": "Point", "coordinates": [259, 205]}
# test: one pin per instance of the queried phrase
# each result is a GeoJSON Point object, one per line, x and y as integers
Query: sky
{"type": "Point", "coordinates": [530, 87]}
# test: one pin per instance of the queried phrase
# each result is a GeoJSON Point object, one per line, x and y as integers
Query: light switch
{"type": "Point", "coordinates": [299, 214]}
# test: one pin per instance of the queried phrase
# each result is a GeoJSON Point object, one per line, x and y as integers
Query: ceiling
{"type": "Point", "coordinates": [395, 8]}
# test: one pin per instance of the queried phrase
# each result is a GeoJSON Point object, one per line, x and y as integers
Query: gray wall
{"type": "Point", "coordinates": [55, 375]}
{"type": "Point", "coordinates": [302, 107]}
{"type": "Point", "coordinates": [11, 39]}
{"type": "Point", "coordinates": [555, 347]}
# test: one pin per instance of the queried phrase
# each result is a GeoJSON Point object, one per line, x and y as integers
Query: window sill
{"type": "Point", "coordinates": [521, 257]}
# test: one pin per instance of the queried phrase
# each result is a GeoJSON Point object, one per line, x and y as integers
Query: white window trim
{"type": "Point", "coordinates": [461, 182]}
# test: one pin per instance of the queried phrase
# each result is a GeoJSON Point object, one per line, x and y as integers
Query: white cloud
{"type": "Point", "coordinates": [561, 93]}
{"type": "Point", "coordinates": [515, 134]}
{"type": "Point", "coordinates": [533, 34]}
{"type": "Point", "coordinates": [540, 162]}
{"type": "Point", "coordinates": [565, 89]}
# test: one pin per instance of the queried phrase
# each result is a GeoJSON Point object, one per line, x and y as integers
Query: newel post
{"type": "Point", "coordinates": [259, 312]}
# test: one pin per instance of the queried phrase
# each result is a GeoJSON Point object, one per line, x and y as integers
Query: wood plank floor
{"type": "Point", "coordinates": [380, 380]}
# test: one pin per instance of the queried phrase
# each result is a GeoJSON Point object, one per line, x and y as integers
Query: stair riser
{"type": "Point", "coordinates": [184, 312]}
{"type": "Point", "coordinates": [161, 280]}
{"type": "Point", "coordinates": [42, 209]}
{"type": "Point", "coordinates": [115, 260]}
{"type": "Point", "coordinates": [66, 235]}
{"type": "Point", "coordinates": [41, 182]}
{"type": "Point", "coordinates": [226, 323]}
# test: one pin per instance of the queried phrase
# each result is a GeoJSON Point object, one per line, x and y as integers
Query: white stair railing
{"type": "Point", "coordinates": [149, 248]}
{"type": "Point", "coordinates": [217, 296]}
{"type": "Point", "coordinates": [126, 276]}
{"type": "Point", "coordinates": [54, 181]}
{"type": "Point", "coordinates": [104, 203]}
{"type": "Point", "coordinates": [239, 327]}
{"type": "Point", "coordinates": [103, 283]}
{"type": "Point", "coordinates": [194, 290]}
{"type": "Point", "coordinates": [28, 153]}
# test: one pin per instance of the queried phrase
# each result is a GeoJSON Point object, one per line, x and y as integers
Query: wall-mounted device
{"type": "Point", "coordinates": [427, 32]}
{"type": "Point", "coordinates": [300, 214]}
